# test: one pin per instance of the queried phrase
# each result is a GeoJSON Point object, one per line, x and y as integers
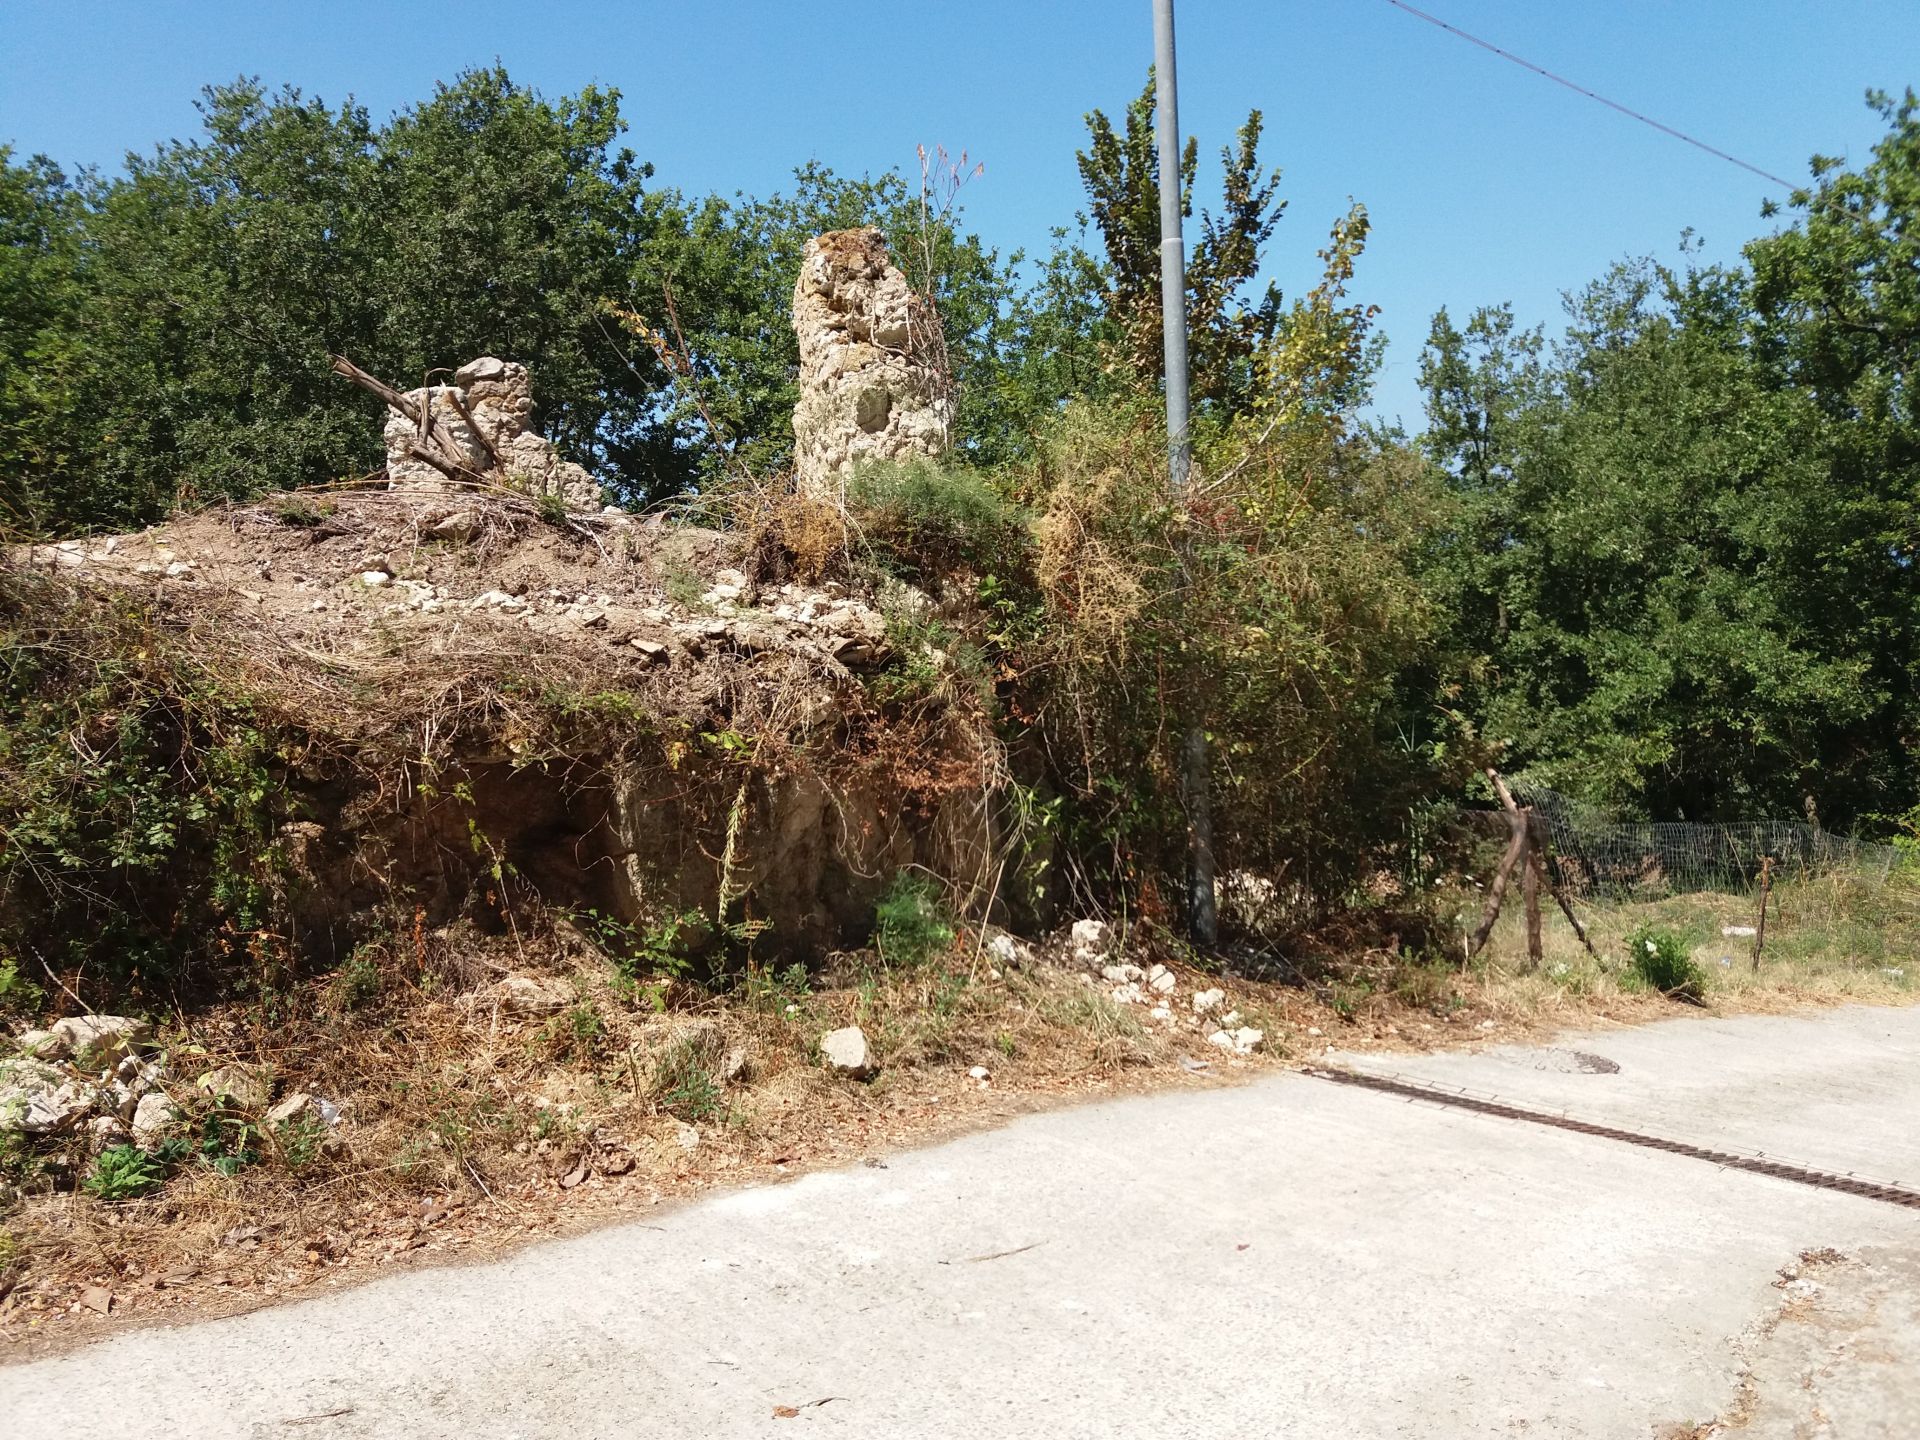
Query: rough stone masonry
{"type": "Point", "coordinates": [870, 383]}
{"type": "Point", "coordinates": [485, 412]}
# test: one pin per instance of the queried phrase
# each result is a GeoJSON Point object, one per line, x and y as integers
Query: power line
{"type": "Point", "coordinates": [1590, 94]}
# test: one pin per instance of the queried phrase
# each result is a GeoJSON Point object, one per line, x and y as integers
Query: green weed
{"type": "Point", "coordinates": [911, 924]}
{"type": "Point", "coordinates": [1663, 961]}
{"type": "Point", "coordinates": [123, 1172]}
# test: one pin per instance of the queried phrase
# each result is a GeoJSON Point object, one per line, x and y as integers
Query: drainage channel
{"type": "Point", "coordinates": [1883, 1191]}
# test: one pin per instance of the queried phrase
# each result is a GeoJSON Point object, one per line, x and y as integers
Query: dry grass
{"type": "Point", "coordinates": [468, 1129]}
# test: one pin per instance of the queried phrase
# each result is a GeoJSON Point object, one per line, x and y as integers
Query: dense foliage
{"type": "Point", "coordinates": [1679, 558]}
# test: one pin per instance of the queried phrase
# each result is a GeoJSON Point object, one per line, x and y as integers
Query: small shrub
{"type": "Point", "coordinates": [1661, 960]}
{"type": "Point", "coordinates": [298, 511]}
{"type": "Point", "coordinates": [357, 984]}
{"type": "Point", "coordinates": [771, 991]}
{"type": "Point", "coordinates": [911, 925]}
{"type": "Point", "coordinates": [19, 996]}
{"type": "Point", "coordinates": [930, 519]}
{"type": "Point", "coordinates": [684, 1082]}
{"type": "Point", "coordinates": [123, 1172]}
{"type": "Point", "coordinates": [301, 1140]}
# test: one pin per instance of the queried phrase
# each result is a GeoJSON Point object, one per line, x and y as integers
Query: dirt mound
{"type": "Point", "coordinates": [630, 722]}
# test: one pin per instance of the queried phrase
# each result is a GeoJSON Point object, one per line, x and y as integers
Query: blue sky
{"type": "Point", "coordinates": [1485, 183]}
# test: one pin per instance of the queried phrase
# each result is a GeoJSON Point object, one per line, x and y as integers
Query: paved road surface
{"type": "Point", "coordinates": [1289, 1258]}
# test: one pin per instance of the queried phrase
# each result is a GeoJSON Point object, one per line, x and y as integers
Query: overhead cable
{"type": "Point", "coordinates": [1591, 94]}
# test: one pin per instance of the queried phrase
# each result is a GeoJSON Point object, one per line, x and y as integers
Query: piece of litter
{"type": "Point", "coordinates": [1744, 932]}
{"type": "Point", "coordinates": [1187, 1063]}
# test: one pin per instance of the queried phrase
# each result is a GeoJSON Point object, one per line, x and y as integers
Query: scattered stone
{"type": "Point", "coordinates": [1162, 1013]}
{"type": "Point", "coordinates": [152, 1118]}
{"type": "Point", "coordinates": [106, 1131]}
{"type": "Point", "coordinates": [980, 1073]}
{"type": "Point", "coordinates": [1244, 1041]}
{"type": "Point", "coordinates": [1129, 995]}
{"type": "Point", "coordinates": [530, 995]}
{"type": "Point", "coordinates": [737, 1067]}
{"type": "Point", "coordinates": [1162, 980]}
{"type": "Point", "coordinates": [93, 1042]}
{"type": "Point", "coordinates": [652, 651]}
{"type": "Point", "coordinates": [459, 527]}
{"type": "Point", "coordinates": [1205, 1001]}
{"type": "Point", "coordinates": [1089, 940]}
{"type": "Point", "coordinates": [687, 1136]}
{"type": "Point", "coordinates": [1005, 951]}
{"type": "Point", "coordinates": [1743, 932]}
{"type": "Point", "coordinates": [374, 579]}
{"type": "Point", "coordinates": [1122, 974]}
{"type": "Point", "coordinates": [37, 1099]}
{"type": "Point", "coordinates": [290, 1109]}
{"type": "Point", "coordinates": [847, 1053]}
{"type": "Point", "coordinates": [245, 1087]}
{"type": "Point", "coordinates": [40, 1045]}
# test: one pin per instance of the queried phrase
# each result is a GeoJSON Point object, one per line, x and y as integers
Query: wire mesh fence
{"type": "Point", "coordinates": [1598, 857]}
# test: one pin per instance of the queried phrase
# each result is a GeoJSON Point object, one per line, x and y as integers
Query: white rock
{"type": "Point", "coordinates": [41, 1045]}
{"type": "Point", "coordinates": [1004, 949]}
{"type": "Point", "coordinates": [1129, 995]}
{"type": "Point", "coordinates": [373, 579]}
{"type": "Point", "coordinates": [96, 1041]}
{"type": "Point", "coordinates": [1089, 938]}
{"type": "Point", "coordinates": [1162, 980]}
{"type": "Point", "coordinates": [688, 1136]}
{"type": "Point", "coordinates": [1744, 932]}
{"type": "Point", "coordinates": [1232, 1018]}
{"type": "Point", "coordinates": [1246, 1040]}
{"type": "Point", "coordinates": [152, 1118]}
{"type": "Point", "coordinates": [1122, 974]}
{"type": "Point", "coordinates": [532, 994]}
{"type": "Point", "coordinates": [1162, 1013]}
{"type": "Point", "coordinates": [846, 1052]}
{"type": "Point", "coordinates": [1222, 1039]}
{"type": "Point", "coordinates": [106, 1131]}
{"type": "Point", "coordinates": [247, 1087]}
{"type": "Point", "coordinates": [1207, 1000]}
{"type": "Point", "coordinates": [38, 1099]}
{"type": "Point", "coordinates": [979, 1072]}
{"type": "Point", "coordinates": [290, 1109]}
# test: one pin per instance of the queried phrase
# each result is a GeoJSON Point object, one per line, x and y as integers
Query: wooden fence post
{"type": "Point", "coordinates": [1766, 889]}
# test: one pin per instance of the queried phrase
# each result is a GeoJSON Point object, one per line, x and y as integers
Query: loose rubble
{"type": "Point", "coordinates": [485, 414]}
{"type": "Point", "coordinates": [847, 1053]}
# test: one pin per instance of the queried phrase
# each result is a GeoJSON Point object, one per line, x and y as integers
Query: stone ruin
{"type": "Point", "coordinates": [871, 385]}
{"type": "Point", "coordinates": [482, 419]}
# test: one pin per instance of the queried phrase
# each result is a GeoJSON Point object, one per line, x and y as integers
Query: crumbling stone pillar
{"type": "Point", "coordinates": [485, 414]}
{"type": "Point", "coordinates": [871, 385]}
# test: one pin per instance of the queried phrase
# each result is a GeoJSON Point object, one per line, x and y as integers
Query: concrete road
{"type": "Point", "coordinates": [1289, 1258]}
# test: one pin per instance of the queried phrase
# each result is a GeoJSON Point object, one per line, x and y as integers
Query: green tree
{"type": "Point", "coordinates": [1227, 321]}
{"type": "Point", "coordinates": [41, 211]}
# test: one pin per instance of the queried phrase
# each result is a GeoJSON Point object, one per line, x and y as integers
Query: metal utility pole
{"type": "Point", "coordinates": [1202, 918]}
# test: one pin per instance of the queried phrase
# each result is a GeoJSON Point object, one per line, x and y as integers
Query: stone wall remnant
{"type": "Point", "coordinates": [482, 419]}
{"type": "Point", "coordinates": [871, 382]}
